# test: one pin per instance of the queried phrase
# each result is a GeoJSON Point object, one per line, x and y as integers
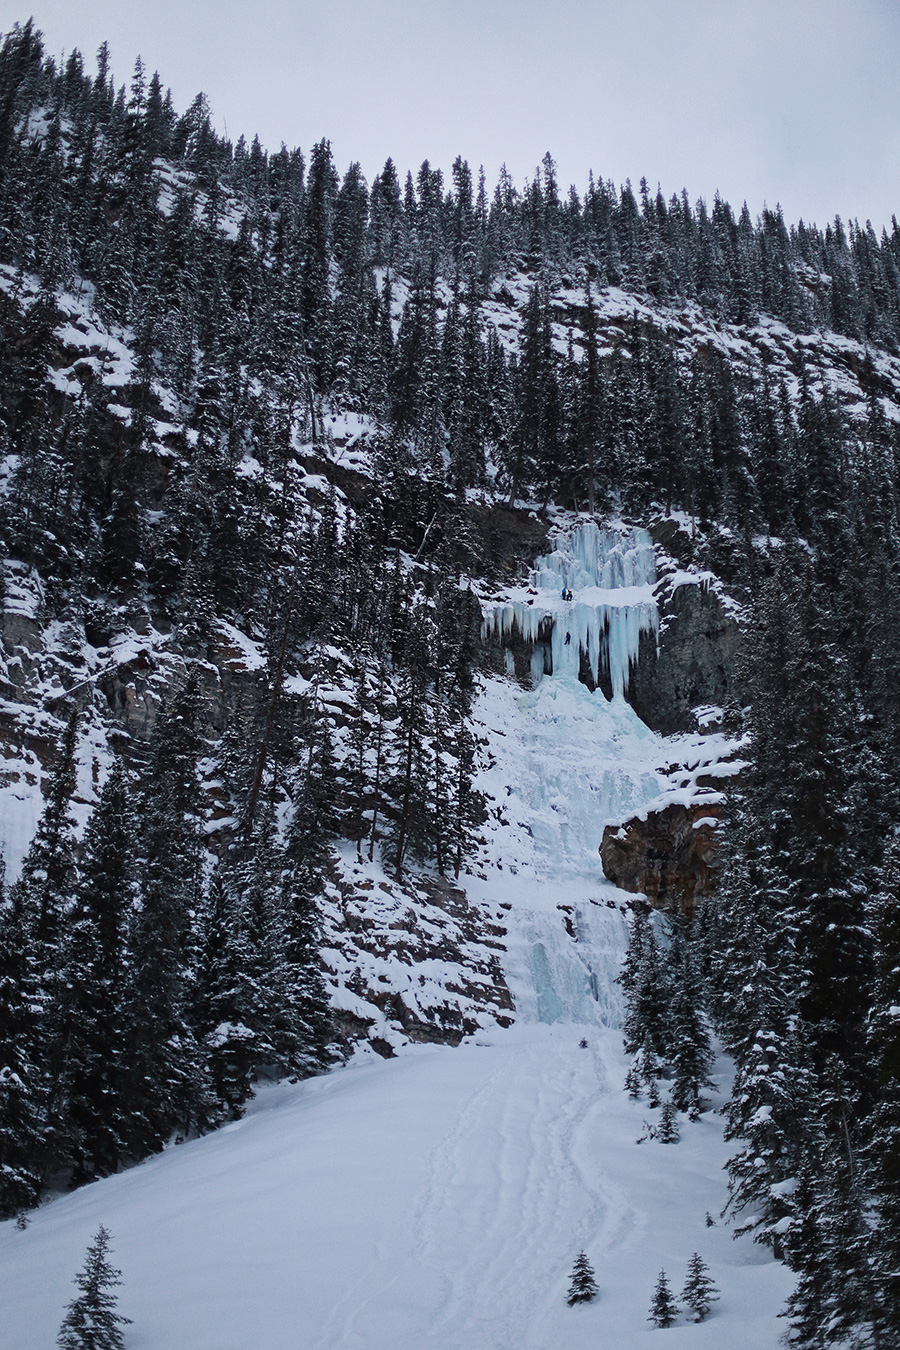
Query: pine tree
{"type": "Point", "coordinates": [790, 941]}
{"type": "Point", "coordinates": [87, 1050]}
{"type": "Point", "coordinates": [667, 1132]}
{"type": "Point", "coordinates": [631, 965]}
{"type": "Point", "coordinates": [32, 938]}
{"type": "Point", "coordinates": [691, 1054]}
{"type": "Point", "coordinates": [699, 1292]}
{"type": "Point", "coordinates": [583, 1285]}
{"type": "Point", "coordinates": [882, 1169]}
{"type": "Point", "coordinates": [633, 1082]}
{"type": "Point", "coordinates": [832, 1302]}
{"type": "Point", "coordinates": [303, 1034]}
{"type": "Point", "coordinates": [91, 1322]}
{"type": "Point", "coordinates": [48, 872]}
{"type": "Point", "coordinates": [236, 1001]}
{"type": "Point", "coordinates": [23, 1086]}
{"type": "Point", "coordinates": [590, 403]}
{"type": "Point", "coordinates": [164, 1087]}
{"type": "Point", "coordinates": [646, 1023]}
{"type": "Point", "coordinates": [663, 1309]}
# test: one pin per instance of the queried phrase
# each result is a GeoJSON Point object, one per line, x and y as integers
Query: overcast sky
{"type": "Point", "coordinates": [790, 101]}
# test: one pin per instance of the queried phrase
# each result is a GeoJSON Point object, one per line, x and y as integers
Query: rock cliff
{"type": "Point", "coordinates": [668, 855]}
{"type": "Point", "coordinates": [692, 664]}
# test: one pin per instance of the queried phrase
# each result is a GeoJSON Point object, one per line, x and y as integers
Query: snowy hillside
{"type": "Point", "coordinates": [439, 1198]}
{"type": "Point", "coordinates": [377, 557]}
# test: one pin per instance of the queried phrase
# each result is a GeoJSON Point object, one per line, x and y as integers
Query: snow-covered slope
{"type": "Point", "coordinates": [439, 1198]}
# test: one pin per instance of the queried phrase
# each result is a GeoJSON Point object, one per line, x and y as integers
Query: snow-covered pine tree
{"type": "Point", "coordinates": [411, 777]}
{"type": "Point", "coordinates": [23, 1146]}
{"type": "Point", "coordinates": [237, 1004]}
{"type": "Point", "coordinates": [882, 1155]}
{"type": "Point", "coordinates": [637, 930]}
{"type": "Point", "coordinates": [88, 1019]}
{"type": "Point", "coordinates": [833, 1302]}
{"type": "Point", "coordinates": [646, 1022]}
{"type": "Point", "coordinates": [663, 1309]}
{"type": "Point", "coordinates": [32, 933]}
{"type": "Point", "coordinates": [583, 1284]}
{"type": "Point", "coordinates": [164, 1087]}
{"type": "Point", "coordinates": [633, 1082]}
{"type": "Point", "coordinates": [699, 1292]}
{"type": "Point", "coordinates": [303, 1033]}
{"type": "Point", "coordinates": [92, 1322]}
{"type": "Point", "coordinates": [804, 1246]}
{"type": "Point", "coordinates": [767, 1113]}
{"type": "Point", "coordinates": [667, 1131]}
{"type": "Point", "coordinates": [691, 1055]}
{"type": "Point", "coordinates": [44, 888]}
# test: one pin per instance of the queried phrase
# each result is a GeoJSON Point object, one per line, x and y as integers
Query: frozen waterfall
{"type": "Point", "coordinates": [590, 599]}
{"type": "Point", "coordinates": [565, 760]}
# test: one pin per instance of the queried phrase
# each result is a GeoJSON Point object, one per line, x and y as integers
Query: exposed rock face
{"type": "Point", "coordinates": [670, 856]}
{"type": "Point", "coordinates": [413, 960]}
{"type": "Point", "coordinates": [696, 659]}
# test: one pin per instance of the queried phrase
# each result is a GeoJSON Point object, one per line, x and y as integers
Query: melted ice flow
{"type": "Point", "coordinates": [609, 575]}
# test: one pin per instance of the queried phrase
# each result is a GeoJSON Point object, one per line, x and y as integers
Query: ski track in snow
{"type": "Point", "coordinates": [502, 1195]}
{"type": "Point", "coordinates": [437, 1201]}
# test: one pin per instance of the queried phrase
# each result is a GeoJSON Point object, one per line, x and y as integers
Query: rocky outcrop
{"type": "Point", "coordinates": [693, 662]}
{"type": "Point", "coordinates": [412, 961]}
{"type": "Point", "coordinates": [669, 855]}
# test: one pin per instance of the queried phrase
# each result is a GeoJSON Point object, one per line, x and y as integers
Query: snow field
{"type": "Point", "coordinates": [435, 1200]}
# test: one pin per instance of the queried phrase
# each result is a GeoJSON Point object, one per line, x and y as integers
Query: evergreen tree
{"type": "Point", "coordinates": [92, 1322]}
{"type": "Point", "coordinates": [647, 1017]}
{"type": "Point", "coordinates": [23, 1088]}
{"type": "Point", "coordinates": [590, 405]}
{"type": "Point", "coordinates": [583, 1285]}
{"type": "Point", "coordinates": [806, 1250]}
{"type": "Point", "coordinates": [236, 1001]}
{"type": "Point", "coordinates": [663, 1309]}
{"type": "Point", "coordinates": [667, 1132]}
{"type": "Point", "coordinates": [691, 1053]}
{"type": "Point", "coordinates": [87, 1051]}
{"type": "Point", "coordinates": [834, 1301]}
{"type": "Point", "coordinates": [164, 1087]}
{"type": "Point", "coordinates": [646, 1023]}
{"type": "Point", "coordinates": [303, 1033]}
{"type": "Point", "coordinates": [699, 1292]}
{"type": "Point", "coordinates": [882, 1160]}
{"type": "Point", "coordinates": [44, 889]}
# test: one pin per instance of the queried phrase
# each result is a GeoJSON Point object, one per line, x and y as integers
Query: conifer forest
{"type": "Point", "coordinates": [294, 466]}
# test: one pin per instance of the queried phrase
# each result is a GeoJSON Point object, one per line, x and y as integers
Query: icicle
{"type": "Point", "coordinates": [594, 592]}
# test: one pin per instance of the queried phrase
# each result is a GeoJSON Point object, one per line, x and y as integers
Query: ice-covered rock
{"type": "Point", "coordinates": [586, 603]}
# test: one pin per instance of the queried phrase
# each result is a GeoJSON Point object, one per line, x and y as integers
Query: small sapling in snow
{"type": "Point", "coordinates": [667, 1132]}
{"type": "Point", "coordinates": [699, 1292]}
{"type": "Point", "coordinates": [663, 1309]}
{"type": "Point", "coordinates": [583, 1286]}
{"type": "Point", "coordinates": [91, 1321]}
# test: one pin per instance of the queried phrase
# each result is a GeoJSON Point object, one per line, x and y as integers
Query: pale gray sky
{"type": "Point", "coordinates": [796, 101]}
